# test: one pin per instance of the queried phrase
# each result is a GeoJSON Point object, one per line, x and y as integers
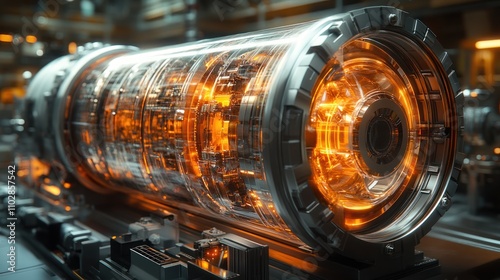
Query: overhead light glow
{"type": "Point", "coordinates": [27, 74]}
{"type": "Point", "coordinates": [31, 39]}
{"type": "Point", "coordinates": [6, 38]}
{"type": "Point", "coordinates": [488, 44]}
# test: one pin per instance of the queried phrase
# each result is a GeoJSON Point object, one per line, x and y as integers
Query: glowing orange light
{"type": "Point", "coordinates": [473, 94]}
{"type": "Point", "coordinates": [224, 99]}
{"type": "Point", "coordinates": [67, 185]}
{"type": "Point", "coordinates": [488, 44]}
{"type": "Point", "coordinates": [6, 38]}
{"type": "Point", "coordinates": [348, 184]}
{"type": "Point", "coordinates": [31, 39]}
{"type": "Point", "coordinates": [204, 264]}
{"type": "Point", "coordinates": [67, 208]}
{"type": "Point", "coordinates": [496, 151]}
{"type": "Point", "coordinates": [72, 47]}
{"type": "Point", "coordinates": [54, 190]}
{"type": "Point", "coordinates": [38, 168]}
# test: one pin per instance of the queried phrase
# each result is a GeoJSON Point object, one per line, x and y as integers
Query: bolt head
{"type": "Point", "coordinates": [389, 249]}
{"type": "Point", "coordinates": [393, 19]}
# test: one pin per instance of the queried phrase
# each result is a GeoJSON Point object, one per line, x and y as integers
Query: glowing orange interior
{"type": "Point", "coordinates": [357, 77]}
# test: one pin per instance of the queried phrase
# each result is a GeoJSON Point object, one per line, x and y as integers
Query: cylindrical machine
{"type": "Point", "coordinates": [342, 132]}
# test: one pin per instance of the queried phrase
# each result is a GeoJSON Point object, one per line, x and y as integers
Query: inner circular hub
{"type": "Point", "coordinates": [380, 133]}
{"type": "Point", "coordinates": [383, 134]}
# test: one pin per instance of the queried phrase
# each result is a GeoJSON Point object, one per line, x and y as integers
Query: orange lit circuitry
{"type": "Point", "coordinates": [185, 127]}
{"type": "Point", "coordinates": [364, 115]}
{"type": "Point", "coordinates": [216, 255]}
{"type": "Point", "coordinates": [217, 117]}
{"type": "Point", "coordinates": [32, 169]}
{"type": "Point", "coordinates": [223, 134]}
{"type": "Point", "coordinates": [228, 89]}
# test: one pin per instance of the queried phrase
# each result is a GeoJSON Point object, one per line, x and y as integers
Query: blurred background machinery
{"type": "Point", "coordinates": [33, 33]}
{"type": "Point", "coordinates": [482, 138]}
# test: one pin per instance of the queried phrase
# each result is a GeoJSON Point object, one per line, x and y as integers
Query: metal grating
{"type": "Point", "coordinates": [152, 254]}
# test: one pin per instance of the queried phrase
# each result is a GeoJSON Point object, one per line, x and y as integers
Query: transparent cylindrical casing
{"type": "Point", "coordinates": [184, 123]}
{"type": "Point", "coordinates": [342, 132]}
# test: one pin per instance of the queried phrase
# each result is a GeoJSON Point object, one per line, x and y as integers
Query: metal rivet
{"type": "Point", "coordinates": [389, 249]}
{"type": "Point", "coordinates": [393, 19]}
{"type": "Point", "coordinates": [445, 202]}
